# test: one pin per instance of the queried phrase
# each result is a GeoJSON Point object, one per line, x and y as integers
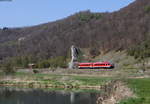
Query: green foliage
{"type": "Point", "coordinates": [20, 61]}
{"type": "Point", "coordinates": [9, 43]}
{"type": "Point", "coordinates": [87, 16]}
{"type": "Point", "coordinates": [17, 61]}
{"type": "Point", "coordinates": [59, 61]}
{"type": "Point", "coordinates": [92, 80]}
{"type": "Point", "coordinates": [141, 52]}
{"type": "Point", "coordinates": [44, 64]}
{"type": "Point", "coordinates": [23, 61]}
{"type": "Point", "coordinates": [35, 71]}
{"type": "Point", "coordinates": [147, 9]}
{"type": "Point", "coordinates": [8, 68]}
{"type": "Point", "coordinates": [97, 15]}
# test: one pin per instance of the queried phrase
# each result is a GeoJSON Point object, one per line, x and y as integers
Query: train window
{"type": "Point", "coordinates": [87, 64]}
{"type": "Point", "coordinates": [97, 64]}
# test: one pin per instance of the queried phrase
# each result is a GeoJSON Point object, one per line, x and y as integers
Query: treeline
{"type": "Point", "coordinates": [12, 64]}
{"type": "Point", "coordinates": [24, 61]}
{"type": "Point", "coordinates": [141, 52]}
{"type": "Point", "coordinates": [87, 16]}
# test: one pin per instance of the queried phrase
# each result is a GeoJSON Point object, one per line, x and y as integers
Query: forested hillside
{"type": "Point", "coordinates": [100, 32]}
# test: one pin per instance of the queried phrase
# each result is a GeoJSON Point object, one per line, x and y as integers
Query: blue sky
{"type": "Point", "coordinates": [19, 13]}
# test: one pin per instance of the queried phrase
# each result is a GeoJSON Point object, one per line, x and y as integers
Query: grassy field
{"type": "Point", "coordinates": [141, 87]}
{"type": "Point", "coordinates": [53, 79]}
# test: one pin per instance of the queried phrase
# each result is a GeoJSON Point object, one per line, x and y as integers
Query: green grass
{"type": "Point", "coordinates": [59, 80]}
{"type": "Point", "coordinates": [92, 80]}
{"type": "Point", "coordinates": [141, 87]}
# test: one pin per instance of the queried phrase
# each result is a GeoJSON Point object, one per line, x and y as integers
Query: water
{"type": "Point", "coordinates": [38, 96]}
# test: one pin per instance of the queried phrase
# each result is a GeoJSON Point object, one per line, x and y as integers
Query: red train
{"type": "Point", "coordinates": [96, 65]}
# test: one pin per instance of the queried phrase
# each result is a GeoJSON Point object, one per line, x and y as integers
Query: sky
{"type": "Point", "coordinates": [21, 13]}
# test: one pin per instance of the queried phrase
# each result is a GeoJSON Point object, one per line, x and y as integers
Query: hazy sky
{"type": "Point", "coordinates": [32, 12]}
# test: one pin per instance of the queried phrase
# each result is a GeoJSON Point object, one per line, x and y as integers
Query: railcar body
{"type": "Point", "coordinates": [95, 65]}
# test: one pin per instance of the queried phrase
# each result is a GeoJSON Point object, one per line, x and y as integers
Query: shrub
{"type": "Point", "coordinates": [44, 64]}
{"type": "Point", "coordinates": [87, 16]}
{"type": "Point", "coordinates": [23, 61]}
{"type": "Point", "coordinates": [59, 61]}
{"type": "Point", "coordinates": [35, 71]}
{"type": "Point", "coordinates": [97, 15]}
{"type": "Point", "coordinates": [147, 9]}
{"type": "Point", "coordinates": [8, 68]}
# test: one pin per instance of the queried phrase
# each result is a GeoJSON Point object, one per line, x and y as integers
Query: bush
{"type": "Point", "coordinates": [97, 15]}
{"type": "Point", "coordinates": [23, 61]}
{"type": "Point", "coordinates": [8, 68]}
{"type": "Point", "coordinates": [59, 61]}
{"type": "Point", "coordinates": [35, 71]}
{"type": "Point", "coordinates": [147, 9]}
{"type": "Point", "coordinates": [87, 16]}
{"type": "Point", "coordinates": [44, 64]}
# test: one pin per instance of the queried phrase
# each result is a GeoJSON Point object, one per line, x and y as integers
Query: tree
{"type": "Point", "coordinates": [141, 52]}
{"type": "Point", "coordinates": [8, 68]}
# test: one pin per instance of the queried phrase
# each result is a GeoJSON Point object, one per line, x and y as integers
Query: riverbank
{"type": "Point", "coordinates": [67, 79]}
{"type": "Point", "coordinates": [111, 86]}
{"type": "Point", "coordinates": [53, 81]}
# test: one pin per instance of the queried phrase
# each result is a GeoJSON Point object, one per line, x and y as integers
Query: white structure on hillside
{"type": "Point", "coordinates": [74, 56]}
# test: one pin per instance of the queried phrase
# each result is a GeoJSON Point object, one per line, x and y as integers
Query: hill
{"type": "Point", "coordinates": [99, 32]}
